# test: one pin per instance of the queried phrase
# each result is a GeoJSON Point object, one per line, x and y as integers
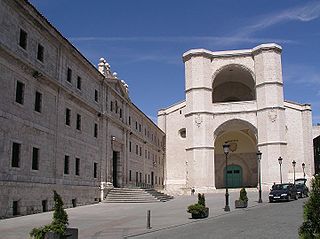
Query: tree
{"type": "Point", "coordinates": [310, 229]}
{"type": "Point", "coordinates": [59, 221]}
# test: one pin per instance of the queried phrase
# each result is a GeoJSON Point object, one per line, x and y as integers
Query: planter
{"type": "Point", "coordinates": [241, 204]}
{"type": "Point", "coordinates": [201, 215]}
{"type": "Point", "coordinates": [71, 233]}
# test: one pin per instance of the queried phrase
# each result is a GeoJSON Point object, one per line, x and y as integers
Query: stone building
{"type": "Point", "coordinates": [234, 97]}
{"type": "Point", "coordinates": [64, 124]}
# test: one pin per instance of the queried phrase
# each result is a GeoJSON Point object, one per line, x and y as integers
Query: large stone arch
{"type": "Point", "coordinates": [242, 137]}
{"type": "Point", "coordinates": [233, 82]}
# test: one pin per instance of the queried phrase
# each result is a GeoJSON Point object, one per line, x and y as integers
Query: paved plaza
{"type": "Point", "coordinates": [168, 220]}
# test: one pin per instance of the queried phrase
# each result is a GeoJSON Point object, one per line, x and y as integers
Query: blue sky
{"type": "Point", "coordinates": [144, 40]}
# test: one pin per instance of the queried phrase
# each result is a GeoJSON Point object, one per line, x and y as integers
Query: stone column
{"type": "Point", "coordinates": [270, 113]}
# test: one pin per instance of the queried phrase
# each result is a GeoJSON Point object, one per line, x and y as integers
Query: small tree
{"type": "Point", "coordinates": [243, 195]}
{"type": "Point", "coordinates": [59, 221]}
{"type": "Point", "coordinates": [201, 199]}
{"type": "Point", "coordinates": [310, 229]}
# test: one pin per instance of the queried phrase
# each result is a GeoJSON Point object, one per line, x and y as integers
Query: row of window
{"type": "Point", "coordinates": [23, 42]}
{"type": "Point", "coordinates": [79, 83]}
{"type": "Point", "coordinates": [78, 122]}
{"type": "Point", "coordinates": [16, 160]}
{"type": "Point", "coordinates": [146, 152]}
{"type": "Point", "coordinates": [147, 178]}
{"type": "Point", "coordinates": [20, 88]}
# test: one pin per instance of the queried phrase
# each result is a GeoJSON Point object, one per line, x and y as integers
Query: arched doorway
{"type": "Point", "coordinates": [242, 170]}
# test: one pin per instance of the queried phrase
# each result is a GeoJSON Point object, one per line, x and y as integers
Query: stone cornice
{"type": "Point", "coordinates": [198, 88]}
{"type": "Point", "coordinates": [200, 148]}
{"type": "Point", "coordinates": [272, 143]}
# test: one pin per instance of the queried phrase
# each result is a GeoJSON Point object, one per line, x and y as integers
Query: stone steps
{"type": "Point", "coordinates": [135, 195]}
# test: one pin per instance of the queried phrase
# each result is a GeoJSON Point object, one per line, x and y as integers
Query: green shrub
{"type": "Point", "coordinates": [243, 195]}
{"type": "Point", "coordinates": [201, 199]}
{"type": "Point", "coordinates": [59, 221]}
{"type": "Point", "coordinates": [196, 209]}
{"type": "Point", "coordinates": [310, 228]}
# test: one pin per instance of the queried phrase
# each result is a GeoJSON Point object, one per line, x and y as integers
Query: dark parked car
{"type": "Point", "coordinates": [302, 189]}
{"type": "Point", "coordinates": [284, 191]}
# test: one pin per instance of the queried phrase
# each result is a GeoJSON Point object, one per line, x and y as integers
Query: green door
{"type": "Point", "coordinates": [234, 176]}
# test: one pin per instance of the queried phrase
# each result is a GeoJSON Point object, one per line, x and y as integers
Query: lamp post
{"type": "Point", "coordinates": [280, 162]}
{"type": "Point", "coordinates": [259, 174]}
{"type": "Point", "coordinates": [226, 147]}
{"type": "Point", "coordinates": [304, 173]}
{"type": "Point", "coordinates": [294, 171]}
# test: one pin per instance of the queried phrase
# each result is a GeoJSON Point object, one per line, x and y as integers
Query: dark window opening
{"type": "Point", "coordinates": [68, 116]}
{"type": "Point", "coordinates": [95, 130]}
{"type": "Point", "coordinates": [77, 166]}
{"type": "Point", "coordinates": [129, 120]}
{"type": "Point", "coordinates": [111, 106]}
{"type": "Point", "coordinates": [74, 202]}
{"type": "Point", "coordinates": [129, 175]}
{"type": "Point", "coordinates": [79, 82]}
{"type": "Point", "coordinates": [23, 39]}
{"type": "Point", "coordinates": [95, 170]}
{"type": "Point", "coordinates": [20, 92]}
{"type": "Point", "coordinates": [44, 205]}
{"type": "Point", "coordinates": [78, 125]}
{"type": "Point", "coordinates": [96, 98]}
{"type": "Point", "coordinates": [40, 52]}
{"type": "Point", "coordinates": [16, 148]}
{"type": "Point", "coordinates": [66, 164]}
{"type": "Point", "coordinates": [15, 208]}
{"type": "Point", "coordinates": [38, 102]}
{"type": "Point", "coordinates": [69, 75]}
{"type": "Point", "coordinates": [35, 159]}
{"type": "Point", "coordinates": [130, 146]}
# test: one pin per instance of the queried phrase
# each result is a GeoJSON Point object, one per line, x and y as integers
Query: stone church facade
{"type": "Point", "coordinates": [234, 97]}
{"type": "Point", "coordinates": [64, 124]}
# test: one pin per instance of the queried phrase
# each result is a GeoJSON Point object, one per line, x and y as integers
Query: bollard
{"type": "Point", "coordinates": [148, 219]}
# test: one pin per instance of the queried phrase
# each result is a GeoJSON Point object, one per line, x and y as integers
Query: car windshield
{"type": "Point", "coordinates": [280, 186]}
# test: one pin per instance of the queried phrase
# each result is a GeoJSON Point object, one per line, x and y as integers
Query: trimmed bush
{"type": "Point", "coordinates": [310, 229]}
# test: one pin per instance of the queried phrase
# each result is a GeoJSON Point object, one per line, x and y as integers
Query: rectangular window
{"type": "Point", "coordinates": [96, 96]}
{"type": "Point", "coordinates": [68, 116]}
{"type": "Point", "coordinates": [129, 120]}
{"type": "Point", "coordinates": [95, 170]}
{"type": "Point", "coordinates": [137, 150]}
{"type": "Point", "coordinates": [130, 144]}
{"type": "Point", "coordinates": [16, 152]}
{"type": "Point", "coordinates": [136, 125]}
{"type": "Point", "coordinates": [15, 208]}
{"type": "Point", "coordinates": [120, 112]}
{"type": "Point", "coordinates": [78, 122]}
{"type": "Point", "coordinates": [35, 158]}
{"type": "Point", "coordinates": [40, 52]}
{"type": "Point", "coordinates": [23, 39]}
{"type": "Point", "coordinates": [140, 151]}
{"type": "Point", "coordinates": [111, 106]}
{"type": "Point", "coordinates": [140, 177]}
{"type": "Point", "coordinates": [129, 175]}
{"type": "Point", "coordinates": [77, 166]}
{"type": "Point", "coordinates": [20, 92]}
{"type": "Point", "coordinates": [95, 130]}
{"type": "Point", "coordinates": [66, 164]}
{"type": "Point", "coordinates": [38, 102]}
{"type": "Point", "coordinates": [69, 75]}
{"type": "Point", "coordinates": [139, 127]}
{"type": "Point", "coordinates": [44, 205]}
{"type": "Point", "coordinates": [79, 82]}
{"type": "Point", "coordinates": [145, 153]}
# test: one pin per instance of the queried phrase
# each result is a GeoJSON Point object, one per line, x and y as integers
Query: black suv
{"type": "Point", "coordinates": [302, 189]}
{"type": "Point", "coordinates": [284, 191]}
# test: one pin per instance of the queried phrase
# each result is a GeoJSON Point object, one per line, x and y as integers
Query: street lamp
{"type": "Point", "coordinates": [259, 174]}
{"type": "Point", "coordinates": [303, 167]}
{"type": "Point", "coordinates": [280, 162]}
{"type": "Point", "coordinates": [226, 147]}
{"type": "Point", "coordinates": [294, 171]}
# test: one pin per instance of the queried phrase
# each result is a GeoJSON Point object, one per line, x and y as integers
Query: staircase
{"type": "Point", "coordinates": [135, 195]}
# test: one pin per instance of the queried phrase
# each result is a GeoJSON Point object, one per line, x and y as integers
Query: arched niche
{"type": "Point", "coordinates": [233, 83]}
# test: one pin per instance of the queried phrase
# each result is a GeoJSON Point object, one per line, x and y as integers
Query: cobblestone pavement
{"type": "Point", "coordinates": [106, 220]}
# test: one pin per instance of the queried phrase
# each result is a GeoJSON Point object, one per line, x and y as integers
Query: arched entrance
{"type": "Point", "coordinates": [242, 169]}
